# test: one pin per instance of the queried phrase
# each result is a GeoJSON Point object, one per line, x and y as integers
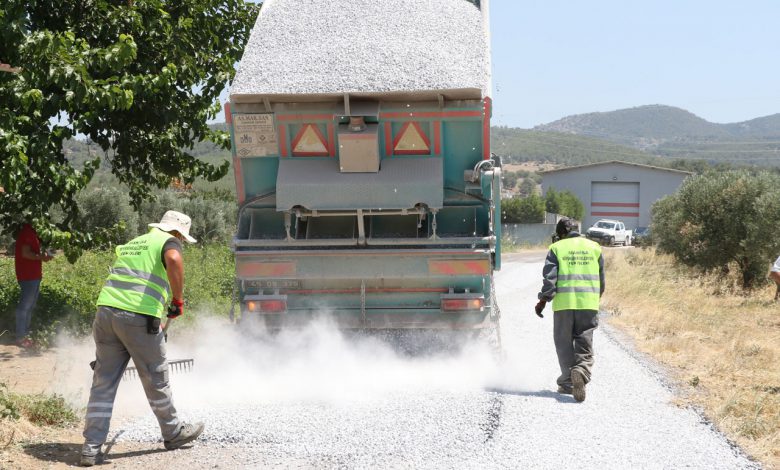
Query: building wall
{"type": "Point", "coordinates": [653, 183]}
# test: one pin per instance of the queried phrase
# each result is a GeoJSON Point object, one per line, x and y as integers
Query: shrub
{"type": "Point", "coordinates": [564, 203]}
{"type": "Point", "coordinates": [213, 217]}
{"type": "Point", "coordinates": [43, 410]}
{"type": "Point", "coordinates": [9, 408]}
{"type": "Point", "coordinates": [721, 218]}
{"type": "Point", "coordinates": [69, 291]}
{"type": "Point", "coordinates": [106, 207]}
{"type": "Point", "coordinates": [529, 210]}
{"type": "Point", "coordinates": [46, 410]}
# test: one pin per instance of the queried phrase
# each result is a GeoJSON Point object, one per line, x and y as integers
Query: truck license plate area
{"type": "Point", "coordinates": [275, 284]}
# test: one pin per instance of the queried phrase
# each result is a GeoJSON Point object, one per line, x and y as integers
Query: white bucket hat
{"type": "Point", "coordinates": [173, 220]}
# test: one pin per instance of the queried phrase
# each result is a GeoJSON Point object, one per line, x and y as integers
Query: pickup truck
{"type": "Point", "coordinates": [609, 232]}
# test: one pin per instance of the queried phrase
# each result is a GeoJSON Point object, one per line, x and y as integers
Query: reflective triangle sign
{"type": "Point", "coordinates": [310, 142]}
{"type": "Point", "coordinates": [411, 140]}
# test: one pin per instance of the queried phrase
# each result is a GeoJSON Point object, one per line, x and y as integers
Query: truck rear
{"type": "Point", "coordinates": [363, 170]}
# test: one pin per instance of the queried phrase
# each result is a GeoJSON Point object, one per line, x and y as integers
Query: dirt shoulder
{"type": "Point", "coordinates": [24, 445]}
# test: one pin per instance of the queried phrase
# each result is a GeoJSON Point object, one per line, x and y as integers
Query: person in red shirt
{"type": "Point", "coordinates": [28, 261]}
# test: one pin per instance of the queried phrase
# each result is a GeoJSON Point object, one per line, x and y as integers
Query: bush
{"type": "Point", "coordinates": [43, 410]}
{"type": "Point", "coordinates": [722, 218]}
{"type": "Point", "coordinates": [69, 291]}
{"type": "Point", "coordinates": [213, 217]}
{"type": "Point", "coordinates": [564, 203]}
{"type": "Point", "coordinates": [529, 210]}
{"type": "Point", "coordinates": [46, 410]}
{"type": "Point", "coordinates": [105, 208]}
{"type": "Point", "coordinates": [9, 408]}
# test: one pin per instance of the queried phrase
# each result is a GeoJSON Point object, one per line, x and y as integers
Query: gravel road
{"type": "Point", "coordinates": [316, 400]}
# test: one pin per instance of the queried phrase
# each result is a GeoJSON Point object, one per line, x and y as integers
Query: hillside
{"type": "Point", "coordinates": [675, 133]}
{"type": "Point", "coordinates": [562, 149]}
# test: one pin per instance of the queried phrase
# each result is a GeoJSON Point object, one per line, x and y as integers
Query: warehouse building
{"type": "Point", "coordinates": [615, 189]}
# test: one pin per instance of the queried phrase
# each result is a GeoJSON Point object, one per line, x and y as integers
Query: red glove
{"type": "Point", "coordinates": [539, 307]}
{"type": "Point", "coordinates": [176, 309]}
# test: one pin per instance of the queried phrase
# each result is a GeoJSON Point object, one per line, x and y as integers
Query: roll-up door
{"type": "Point", "coordinates": [615, 201]}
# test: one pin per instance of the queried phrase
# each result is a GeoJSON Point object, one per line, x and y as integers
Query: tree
{"type": "Point", "coordinates": [139, 78]}
{"type": "Point", "coordinates": [528, 210]}
{"type": "Point", "coordinates": [721, 218]}
{"type": "Point", "coordinates": [527, 187]}
{"type": "Point", "coordinates": [564, 203]}
{"type": "Point", "coordinates": [509, 179]}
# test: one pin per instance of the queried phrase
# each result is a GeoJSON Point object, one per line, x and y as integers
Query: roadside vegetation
{"type": "Point", "coordinates": [41, 409]}
{"type": "Point", "coordinates": [69, 291]}
{"type": "Point", "coordinates": [699, 301]}
{"type": "Point", "coordinates": [720, 342]}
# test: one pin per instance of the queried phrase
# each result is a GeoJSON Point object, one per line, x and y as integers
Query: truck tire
{"type": "Point", "coordinates": [627, 242]}
{"type": "Point", "coordinates": [609, 241]}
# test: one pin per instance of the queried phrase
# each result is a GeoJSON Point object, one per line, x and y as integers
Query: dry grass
{"type": "Point", "coordinates": [722, 345]}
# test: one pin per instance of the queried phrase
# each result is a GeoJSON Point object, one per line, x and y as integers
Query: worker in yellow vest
{"type": "Point", "coordinates": [146, 280]}
{"type": "Point", "coordinates": [573, 279]}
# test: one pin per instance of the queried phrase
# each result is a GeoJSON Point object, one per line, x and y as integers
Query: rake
{"type": "Point", "coordinates": [177, 365]}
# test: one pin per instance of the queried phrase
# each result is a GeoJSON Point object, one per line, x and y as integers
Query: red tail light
{"type": "Point", "coordinates": [450, 305]}
{"type": "Point", "coordinates": [276, 304]}
{"type": "Point", "coordinates": [273, 306]}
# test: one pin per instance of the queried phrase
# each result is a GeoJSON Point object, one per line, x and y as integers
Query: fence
{"type": "Point", "coordinates": [532, 234]}
{"type": "Point", "coordinates": [528, 234]}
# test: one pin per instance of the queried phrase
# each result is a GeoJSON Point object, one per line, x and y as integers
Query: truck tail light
{"type": "Point", "coordinates": [273, 306]}
{"type": "Point", "coordinates": [461, 304]}
{"type": "Point", "coordinates": [266, 304]}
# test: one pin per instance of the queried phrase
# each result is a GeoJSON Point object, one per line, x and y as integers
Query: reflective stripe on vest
{"type": "Point", "coordinates": [157, 280]}
{"type": "Point", "coordinates": [578, 286]}
{"type": "Point", "coordinates": [138, 281]}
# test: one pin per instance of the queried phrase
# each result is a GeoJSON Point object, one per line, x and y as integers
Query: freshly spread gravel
{"type": "Point", "coordinates": [325, 402]}
{"type": "Point", "coordinates": [339, 46]}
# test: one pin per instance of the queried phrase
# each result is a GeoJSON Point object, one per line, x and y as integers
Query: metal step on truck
{"type": "Point", "coordinates": [366, 187]}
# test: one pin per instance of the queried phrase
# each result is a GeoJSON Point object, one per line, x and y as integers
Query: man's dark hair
{"type": "Point", "coordinates": [564, 227]}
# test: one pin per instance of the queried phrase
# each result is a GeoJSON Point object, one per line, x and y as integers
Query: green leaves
{"type": "Point", "coordinates": [721, 218]}
{"type": "Point", "coordinates": [139, 79]}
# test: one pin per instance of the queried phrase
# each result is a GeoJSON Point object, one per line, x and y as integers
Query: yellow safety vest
{"type": "Point", "coordinates": [138, 281]}
{"type": "Point", "coordinates": [578, 286]}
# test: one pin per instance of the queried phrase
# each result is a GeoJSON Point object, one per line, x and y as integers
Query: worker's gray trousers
{"type": "Point", "coordinates": [573, 332]}
{"type": "Point", "coordinates": [120, 335]}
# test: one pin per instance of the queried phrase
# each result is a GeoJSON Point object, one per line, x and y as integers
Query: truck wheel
{"type": "Point", "coordinates": [610, 241]}
{"type": "Point", "coordinates": [628, 242]}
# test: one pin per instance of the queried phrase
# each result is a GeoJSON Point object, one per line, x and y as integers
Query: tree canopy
{"type": "Point", "coordinates": [564, 203]}
{"type": "Point", "coordinates": [722, 218]}
{"type": "Point", "coordinates": [138, 78]}
{"type": "Point", "coordinates": [526, 210]}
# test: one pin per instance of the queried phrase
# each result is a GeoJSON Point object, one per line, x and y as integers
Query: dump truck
{"type": "Point", "coordinates": [361, 150]}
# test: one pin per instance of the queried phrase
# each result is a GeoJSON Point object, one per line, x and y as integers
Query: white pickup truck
{"type": "Point", "coordinates": [609, 232]}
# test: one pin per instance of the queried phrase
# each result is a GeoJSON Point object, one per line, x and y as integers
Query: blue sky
{"type": "Point", "coordinates": [553, 58]}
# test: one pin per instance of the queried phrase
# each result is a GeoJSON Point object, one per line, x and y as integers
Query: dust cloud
{"type": "Point", "coordinates": [237, 365]}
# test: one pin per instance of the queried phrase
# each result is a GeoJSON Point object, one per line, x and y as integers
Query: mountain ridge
{"type": "Point", "coordinates": [668, 131]}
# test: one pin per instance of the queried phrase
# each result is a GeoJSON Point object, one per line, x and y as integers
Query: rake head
{"type": "Point", "coordinates": [177, 366]}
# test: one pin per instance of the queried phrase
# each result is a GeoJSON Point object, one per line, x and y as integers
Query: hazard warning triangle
{"type": "Point", "coordinates": [310, 142]}
{"type": "Point", "coordinates": [411, 140]}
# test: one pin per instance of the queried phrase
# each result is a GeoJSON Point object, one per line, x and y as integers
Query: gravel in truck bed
{"type": "Point", "coordinates": [340, 46]}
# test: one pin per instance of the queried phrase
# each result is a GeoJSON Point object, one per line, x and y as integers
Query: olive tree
{"type": "Point", "coordinates": [139, 78]}
{"type": "Point", "coordinates": [564, 203]}
{"type": "Point", "coordinates": [526, 210]}
{"type": "Point", "coordinates": [720, 218]}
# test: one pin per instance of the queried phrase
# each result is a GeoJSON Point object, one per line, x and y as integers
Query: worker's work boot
{"type": "Point", "coordinates": [91, 455]}
{"type": "Point", "coordinates": [563, 390]}
{"type": "Point", "coordinates": [578, 385]}
{"type": "Point", "coordinates": [188, 433]}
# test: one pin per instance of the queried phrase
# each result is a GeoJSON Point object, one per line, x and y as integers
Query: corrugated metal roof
{"type": "Point", "coordinates": [325, 49]}
{"type": "Point", "coordinates": [588, 165]}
